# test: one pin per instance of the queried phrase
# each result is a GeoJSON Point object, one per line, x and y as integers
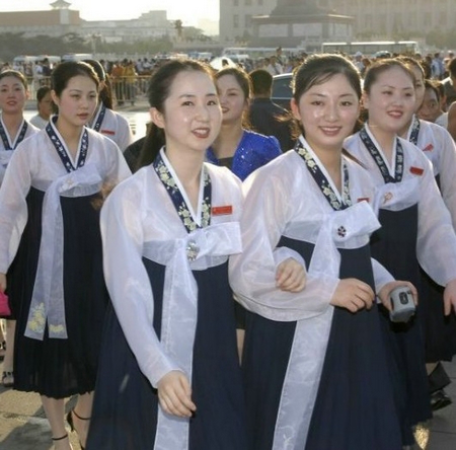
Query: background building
{"type": "Point", "coordinates": [397, 19]}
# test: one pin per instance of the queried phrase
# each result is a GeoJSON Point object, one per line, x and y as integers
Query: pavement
{"type": "Point", "coordinates": [23, 425]}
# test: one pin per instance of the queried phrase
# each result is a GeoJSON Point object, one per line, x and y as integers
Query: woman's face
{"type": "Point", "coordinates": [419, 87]}
{"type": "Point", "coordinates": [192, 117]}
{"type": "Point", "coordinates": [77, 102]}
{"type": "Point", "coordinates": [430, 108]}
{"type": "Point", "coordinates": [328, 113]}
{"type": "Point", "coordinates": [391, 100]}
{"type": "Point", "coordinates": [45, 106]}
{"type": "Point", "coordinates": [13, 95]}
{"type": "Point", "coordinates": [232, 99]}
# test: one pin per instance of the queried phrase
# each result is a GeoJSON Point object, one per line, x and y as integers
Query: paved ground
{"type": "Point", "coordinates": [23, 425]}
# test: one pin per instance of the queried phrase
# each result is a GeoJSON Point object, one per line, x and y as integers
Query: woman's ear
{"type": "Point", "coordinates": [157, 117]}
{"type": "Point", "coordinates": [295, 109]}
{"type": "Point", "coordinates": [54, 97]}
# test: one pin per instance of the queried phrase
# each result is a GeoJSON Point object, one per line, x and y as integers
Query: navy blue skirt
{"type": "Point", "coordinates": [125, 410]}
{"type": "Point", "coordinates": [59, 368]}
{"type": "Point", "coordinates": [354, 409]}
{"type": "Point", "coordinates": [394, 246]}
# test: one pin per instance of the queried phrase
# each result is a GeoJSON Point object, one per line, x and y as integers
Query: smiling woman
{"type": "Point", "coordinates": [52, 182]}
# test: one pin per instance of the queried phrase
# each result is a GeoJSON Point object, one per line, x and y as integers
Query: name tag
{"type": "Point", "coordinates": [222, 210]}
{"type": "Point", "coordinates": [364, 199]}
{"type": "Point", "coordinates": [428, 148]}
{"type": "Point", "coordinates": [416, 170]}
{"type": "Point", "coordinates": [110, 132]}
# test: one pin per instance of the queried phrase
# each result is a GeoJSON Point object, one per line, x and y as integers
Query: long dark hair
{"type": "Point", "coordinates": [105, 95]}
{"type": "Point", "coordinates": [159, 90]}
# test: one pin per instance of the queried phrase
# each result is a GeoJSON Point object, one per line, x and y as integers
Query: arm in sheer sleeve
{"type": "Point", "coordinates": [267, 209]}
{"type": "Point", "coordinates": [436, 243]}
{"type": "Point", "coordinates": [13, 204]}
{"type": "Point", "coordinates": [128, 283]}
{"type": "Point", "coordinates": [125, 135]}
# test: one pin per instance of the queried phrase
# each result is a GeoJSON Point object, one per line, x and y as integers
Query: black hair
{"type": "Point", "coordinates": [69, 69]}
{"type": "Point", "coordinates": [42, 92]}
{"type": "Point", "coordinates": [159, 90]}
{"type": "Point", "coordinates": [261, 82]}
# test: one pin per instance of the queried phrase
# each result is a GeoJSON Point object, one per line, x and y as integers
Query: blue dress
{"type": "Point", "coordinates": [254, 150]}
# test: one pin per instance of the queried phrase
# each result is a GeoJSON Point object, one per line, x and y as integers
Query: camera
{"type": "Point", "coordinates": [403, 306]}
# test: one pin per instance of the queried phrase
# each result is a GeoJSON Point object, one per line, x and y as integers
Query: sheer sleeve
{"type": "Point", "coordinates": [127, 280]}
{"type": "Point", "coordinates": [267, 209]}
{"type": "Point", "coordinates": [13, 204]}
{"type": "Point", "coordinates": [436, 244]}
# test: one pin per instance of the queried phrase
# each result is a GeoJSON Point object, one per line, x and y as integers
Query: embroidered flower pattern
{"type": "Point", "coordinates": [324, 184]}
{"type": "Point", "coordinates": [341, 231]}
{"type": "Point", "coordinates": [37, 318]}
{"type": "Point", "coordinates": [176, 196]}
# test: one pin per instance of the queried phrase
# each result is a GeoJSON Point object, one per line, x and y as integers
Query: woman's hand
{"type": "Point", "coordinates": [174, 394]}
{"type": "Point", "coordinates": [291, 276]}
{"type": "Point", "coordinates": [353, 294]}
{"type": "Point", "coordinates": [449, 297]}
{"type": "Point", "coordinates": [385, 292]}
{"type": "Point", "coordinates": [2, 282]}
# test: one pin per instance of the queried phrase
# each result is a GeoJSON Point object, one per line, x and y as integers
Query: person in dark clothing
{"type": "Point", "coordinates": [267, 117]}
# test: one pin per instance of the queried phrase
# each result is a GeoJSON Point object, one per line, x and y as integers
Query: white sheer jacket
{"type": "Point", "coordinates": [282, 199]}
{"type": "Point", "coordinates": [139, 220]}
{"type": "Point", "coordinates": [436, 242]}
{"type": "Point", "coordinates": [115, 127]}
{"type": "Point", "coordinates": [36, 163]}
{"type": "Point", "coordinates": [5, 155]}
{"type": "Point", "coordinates": [439, 147]}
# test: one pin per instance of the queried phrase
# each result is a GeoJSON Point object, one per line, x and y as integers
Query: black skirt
{"type": "Point", "coordinates": [354, 408]}
{"type": "Point", "coordinates": [59, 368]}
{"type": "Point", "coordinates": [394, 246]}
{"type": "Point", "coordinates": [125, 409]}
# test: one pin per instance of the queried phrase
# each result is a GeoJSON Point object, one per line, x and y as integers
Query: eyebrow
{"type": "Point", "coordinates": [80, 90]}
{"type": "Point", "coordinates": [348, 94]}
{"type": "Point", "coordinates": [412, 88]}
{"type": "Point", "coordinates": [210, 94]}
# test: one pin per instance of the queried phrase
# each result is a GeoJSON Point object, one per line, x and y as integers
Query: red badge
{"type": "Point", "coordinates": [416, 170]}
{"type": "Point", "coordinates": [111, 132]}
{"type": "Point", "coordinates": [363, 199]}
{"type": "Point", "coordinates": [222, 210]}
{"type": "Point", "coordinates": [428, 148]}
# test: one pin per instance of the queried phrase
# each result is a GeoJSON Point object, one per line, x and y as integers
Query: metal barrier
{"type": "Point", "coordinates": [125, 90]}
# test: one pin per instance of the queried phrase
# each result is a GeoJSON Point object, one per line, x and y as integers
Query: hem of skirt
{"type": "Point", "coordinates": [55, 395]}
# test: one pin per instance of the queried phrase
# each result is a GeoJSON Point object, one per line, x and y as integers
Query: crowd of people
{"type": "Point", "coordinates": [229, 281]}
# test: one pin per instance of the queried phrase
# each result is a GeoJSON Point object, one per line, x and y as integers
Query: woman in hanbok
{"type": "Point", "coordinates": [13, 130]}
{"type": "Point", "coordinates": [416, 226]}
{"type": "Point", "coordinates": [439, 329]}
{"type": "Point", "coordinates": [236, 147]}
{"type": "Point", "coordinates": [105, 120]}
{"type": "Point", "coordinates": [170, 376]}
{"type": "Point", "coordinates": [49, 226]}
{"type": "Point", "coordinates": [314, 362]}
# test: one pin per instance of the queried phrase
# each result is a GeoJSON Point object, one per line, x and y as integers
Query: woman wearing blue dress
{"type": "Point", "coordinates": [237, 148]}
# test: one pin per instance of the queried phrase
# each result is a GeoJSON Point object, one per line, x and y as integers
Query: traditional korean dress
{"type": "Point", "coordinates": [254, 150]}
{"type": "Point", "coordinates": [49, 226]}
{"type": "Point", "coordinates": [439, 147]}
{"type": "Point", "coordinates": [166, 271]}
{"type": "Point", "coordinates": [113, 125]}
{"type": "Point", "coordinates": [315, 375]}
{"type": "Point", "coordinates": [7, 147]}
{"type": "Point", "coordinates": [416, 231]}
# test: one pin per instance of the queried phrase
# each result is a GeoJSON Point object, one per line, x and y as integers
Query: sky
{"type": "Point", "coordinates": [189, 11]}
